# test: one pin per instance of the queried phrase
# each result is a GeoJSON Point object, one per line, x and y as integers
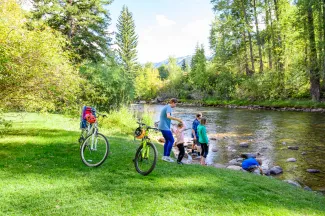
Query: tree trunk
{"type": "Point", "coordinates": [268, 18]}
{"type": "Point", "coordinates": [258, 38]}
{"type": "Point", "coordinates": [249, 38]}
{"type": "Point", "coordinates": [71, 22]}
{"type": "Point", "coordinates": [248, 73]}
{"type": "Point", "coordinates": [323, 44]}
{"type": "Point", "coordinates": [279, 47]}
{"type": "Point", "coordinates": [313, 69]}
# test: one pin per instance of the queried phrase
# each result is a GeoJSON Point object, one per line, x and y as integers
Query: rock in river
{"type": "Point", "coordinates": [294, 183]}
{"type": "Point", "coordinates": [291, 160]}
{"type": "Point", "coordinates": [244, 144]}
{"type": "Point", "coordinates": [313, 171]}
{"type": "Point", "coordinates": [276, 170]}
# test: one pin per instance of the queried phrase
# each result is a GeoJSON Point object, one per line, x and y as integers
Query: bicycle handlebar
{"type": "Point", "coordinates": [148, 127]}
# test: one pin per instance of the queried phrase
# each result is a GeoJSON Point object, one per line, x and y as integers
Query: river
{"type": "Point", "coordinates": [268, 133]}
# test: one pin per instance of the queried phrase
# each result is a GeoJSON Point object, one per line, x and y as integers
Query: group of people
{"type": "Point", "coordinates": [199, 135]}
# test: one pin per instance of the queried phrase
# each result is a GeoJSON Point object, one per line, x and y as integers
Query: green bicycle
{"type": "Point", "coordinates": [146, 155]}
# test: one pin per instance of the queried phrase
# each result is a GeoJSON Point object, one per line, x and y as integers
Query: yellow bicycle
{"type": "Point", "coordinates": [146, 155]}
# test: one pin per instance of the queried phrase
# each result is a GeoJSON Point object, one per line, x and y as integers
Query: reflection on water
{"type": "Point", "coordinates": [267, 132]}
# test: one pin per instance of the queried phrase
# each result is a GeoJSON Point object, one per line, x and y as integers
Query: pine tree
{"type": "Point", "coordinates": [127, 41]}
{"type": "Point", "coordinates": [198, 69]}
{"type": "Point", "coordinates": [83, 22]}
{"type": "Point", "coordinates": [184, 65]}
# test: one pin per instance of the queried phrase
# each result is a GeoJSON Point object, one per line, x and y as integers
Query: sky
{"type": "Point", "coordinates": [167, 27]}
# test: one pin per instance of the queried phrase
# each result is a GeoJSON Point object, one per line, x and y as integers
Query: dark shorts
{"type": "Point", "coordinates": [195, 142]}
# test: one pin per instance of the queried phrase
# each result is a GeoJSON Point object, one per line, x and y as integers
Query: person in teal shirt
{"type": "Point", "coordinates": [203, 139]}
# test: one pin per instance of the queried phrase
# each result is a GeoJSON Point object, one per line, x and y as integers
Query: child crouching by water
{"type": "Point", "coordinates": [203, 140]}
{"type": "Point", "coordinates": [179, 132]}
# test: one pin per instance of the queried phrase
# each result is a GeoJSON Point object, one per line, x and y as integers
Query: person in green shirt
{"type": "Point", "coordinates": [203, 139]}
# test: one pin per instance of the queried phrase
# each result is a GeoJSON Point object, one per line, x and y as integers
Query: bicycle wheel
{"type": "Point", "coordinates": [145, 159]}
{"type": "Point", "coordinates": [94, 150]}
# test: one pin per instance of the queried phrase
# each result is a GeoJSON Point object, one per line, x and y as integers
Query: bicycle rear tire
{"type": "Point", "coordinates": [145, 165]}
{"type": "Point", "coordinates": [94, 157]}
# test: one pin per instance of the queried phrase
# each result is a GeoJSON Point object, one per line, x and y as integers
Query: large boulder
{"type": "Point", "coordinates": [233, 167]}
{"type": "Point", "coordinates": [248, 155]}
{"type": "Point", "coordinates": [276, 170]}
{"type": "Point", "coordinates": [234, 162]}
{"type": "Point", "coordinates": [294, 183]}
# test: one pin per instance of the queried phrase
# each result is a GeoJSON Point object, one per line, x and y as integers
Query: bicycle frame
{"type": "Point", "coordinates": [145, 153]}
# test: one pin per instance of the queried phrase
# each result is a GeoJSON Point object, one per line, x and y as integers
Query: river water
{"type": "Point", "coordinates": [268, 133]}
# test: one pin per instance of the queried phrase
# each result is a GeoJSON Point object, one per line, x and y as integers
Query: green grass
{"type": "Point", "coordinates": [41, 174]}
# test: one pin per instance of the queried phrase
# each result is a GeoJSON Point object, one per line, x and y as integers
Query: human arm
{"type": "Point", "coordinates": [173, 118]}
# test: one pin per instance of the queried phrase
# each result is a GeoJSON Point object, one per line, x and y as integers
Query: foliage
{"type": "Point", "coordinates": [147, 82]}
{"type": "Point", "coordinates": [120, 121]}
{"type": "Point", "coordinates": [198, 74]}
{"type": "Point", "coordinates": [35, 72]}
{"type": "Point", "coordinates": [83, 22]}
{"type": "Point", "coordinates": [103, 85]}
{"type": "Point", "coordinates": [163, 72]}
{"type": "Point", "coordinates": [289, 48]}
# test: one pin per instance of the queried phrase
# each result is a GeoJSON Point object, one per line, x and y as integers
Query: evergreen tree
{"type": "Point", "coordinates": [83, 22]}
{"type": "Point", "coordinates": [198, 69]}
{"type": "Point", "coordinates": [184, 66]}
{"type": "Point", "coordinates": [127, 41]}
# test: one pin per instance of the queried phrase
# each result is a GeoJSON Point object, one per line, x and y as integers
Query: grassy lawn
{"type": "Point", "coordinates": [41, 174]}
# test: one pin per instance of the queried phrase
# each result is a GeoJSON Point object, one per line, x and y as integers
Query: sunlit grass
{"type": "Point", "coordinates": [41, 174]}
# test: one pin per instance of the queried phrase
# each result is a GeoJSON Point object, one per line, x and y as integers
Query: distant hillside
{"type": "Point", "coordinates": [179, 61]}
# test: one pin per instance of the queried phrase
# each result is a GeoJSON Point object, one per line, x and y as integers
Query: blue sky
{"type": "Point", "coordinates": [167, 27]}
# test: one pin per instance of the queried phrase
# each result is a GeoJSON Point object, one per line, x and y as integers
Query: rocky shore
{"type": "Point", "coordinates": [249, 107]}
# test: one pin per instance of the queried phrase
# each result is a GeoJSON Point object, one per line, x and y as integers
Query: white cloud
{"type": "Point", "coordinates": [158, 42]}
{"type": "Point", "coordinates": [164, 21]}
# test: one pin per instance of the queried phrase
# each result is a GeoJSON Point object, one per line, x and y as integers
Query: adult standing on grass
{"type": "Point", "coordinates": [164, 127]}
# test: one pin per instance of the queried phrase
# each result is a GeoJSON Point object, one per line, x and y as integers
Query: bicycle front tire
{"type": "Point", "coordinates": [145, 164]}
{"type": "Point", "coordinates": [94, 150]}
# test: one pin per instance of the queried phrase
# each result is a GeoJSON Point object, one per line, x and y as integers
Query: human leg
{"type": "Point", "coordinates": [165, 135]}
{"type": "Point", "coordinates": [181, 152]}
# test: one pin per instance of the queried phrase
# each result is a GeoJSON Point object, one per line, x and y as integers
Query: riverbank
{"type": "Point", "coordinates": [42, 173]}
{"type": "Point", "coordinates": [287, 105]}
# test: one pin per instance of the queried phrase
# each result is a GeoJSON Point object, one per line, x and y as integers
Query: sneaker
{"type": "Point", "coordinates": [164, 158]}
{"type": "Point", "coordinates": [180, 162]}
{"type": "Point", "coordinates": [169, 159]}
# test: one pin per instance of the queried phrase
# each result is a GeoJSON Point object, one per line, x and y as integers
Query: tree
{"type": "Point", "coordinates": [185, 66]}
{"type": "Point", "coordinates": [198, 73]}
{"type": "Point", "coordinates": [35, 71]}
{"type": "Point", "coordinates": [83, 22]}
{"type": "Point", "coordinates": [147, 82]}
{"type": "Point", "coordinates": [127, 41]}
{"type": "Point", "coordinates": [163, 72]}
